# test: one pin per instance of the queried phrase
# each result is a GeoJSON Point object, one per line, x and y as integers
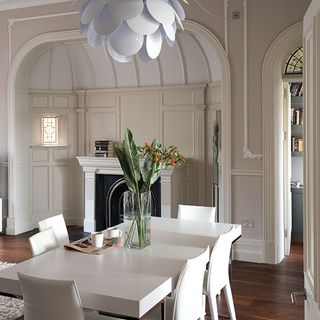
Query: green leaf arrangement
{"type": "Point", "coordinates": [142, 165]}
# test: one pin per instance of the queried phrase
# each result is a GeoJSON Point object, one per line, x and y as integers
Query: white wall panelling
{"type": "Point", "coordinates": [172, 114]}
{"type": "Point", "coordinates": [53, 171]}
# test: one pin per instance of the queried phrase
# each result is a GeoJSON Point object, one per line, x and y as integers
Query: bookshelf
{"type": "Point", "coordinates": [296, 119]}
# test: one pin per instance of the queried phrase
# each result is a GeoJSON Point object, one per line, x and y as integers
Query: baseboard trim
{"type": "Point", "coordinates": [249, 250]}
{"type": "Point", "coordinates": [18, 225]}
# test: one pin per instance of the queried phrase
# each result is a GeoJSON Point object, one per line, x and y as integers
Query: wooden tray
{"type": "Point", "coordinates": [83, 245]}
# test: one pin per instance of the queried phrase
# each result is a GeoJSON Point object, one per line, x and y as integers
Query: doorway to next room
{"type": "Point", "coordinates": [293, 150]}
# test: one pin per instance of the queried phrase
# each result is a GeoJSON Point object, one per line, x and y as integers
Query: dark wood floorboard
{"type": "Point", "coordinates": [260, 291]}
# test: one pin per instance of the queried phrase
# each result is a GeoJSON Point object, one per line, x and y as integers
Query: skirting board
{"type": "Point", "coordinates": [18, 225]}
{"type": "Point", "coordinates": [249, 250]}
{"type": "Point", "coordinates": [312, 310]}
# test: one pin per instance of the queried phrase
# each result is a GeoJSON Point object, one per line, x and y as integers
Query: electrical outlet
{"type": "Point", "coordinates": [247, 223]}
{"type": "Point", "coordinates": [235, 15]}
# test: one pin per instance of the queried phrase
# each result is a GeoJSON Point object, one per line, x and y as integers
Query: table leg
{"type": "Point", "coordinates": [162, 310]}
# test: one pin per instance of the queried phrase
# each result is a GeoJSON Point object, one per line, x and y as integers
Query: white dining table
{"type": "Point", "coordinates": [126, 282]}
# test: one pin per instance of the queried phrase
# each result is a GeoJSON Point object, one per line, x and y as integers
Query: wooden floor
{"type": "Point", "coordinates": [260, 291]}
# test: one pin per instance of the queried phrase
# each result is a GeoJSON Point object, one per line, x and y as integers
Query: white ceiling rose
{"type": "Point", "coordinates": [129, 27]}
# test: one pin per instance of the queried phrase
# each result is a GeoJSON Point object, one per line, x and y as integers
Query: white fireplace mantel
{"type": "Point", "coordinates": [172, 181]}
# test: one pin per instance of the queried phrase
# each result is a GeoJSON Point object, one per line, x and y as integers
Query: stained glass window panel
{"type": "Point", "coordinates": [49, 129]}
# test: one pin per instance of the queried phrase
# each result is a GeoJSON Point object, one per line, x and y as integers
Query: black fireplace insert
{"type": "Point", "coordinates": [109, 200]}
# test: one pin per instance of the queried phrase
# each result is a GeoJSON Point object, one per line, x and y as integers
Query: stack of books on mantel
{"type": "Point", "coordinates": [104, 148]}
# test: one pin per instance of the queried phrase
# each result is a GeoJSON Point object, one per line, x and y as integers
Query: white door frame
{"type": "Point", "coordinates": [287, 199]}
{"type": "Point", "coordinates": [272, 101]}
{"type": "Point", "coordinates": [311, 240]}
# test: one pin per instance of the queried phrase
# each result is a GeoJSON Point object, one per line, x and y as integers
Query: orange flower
{"type": "Point", "coordinates": [172, 162]}
{"type": "Point", "coordinates": [147, 145]}
{"type": "Point", "coordinates": [155, 159]}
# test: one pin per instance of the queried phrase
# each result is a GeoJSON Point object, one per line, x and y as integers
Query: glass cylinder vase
{"type": "Point", "coordinates": [137, 219]}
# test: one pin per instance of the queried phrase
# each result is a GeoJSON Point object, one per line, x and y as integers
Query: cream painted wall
{"type": "Point", "coordinates": [266, 19]}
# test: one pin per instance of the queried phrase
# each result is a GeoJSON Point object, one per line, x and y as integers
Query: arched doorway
{"type": "Point", "coordinates": [272, 115]}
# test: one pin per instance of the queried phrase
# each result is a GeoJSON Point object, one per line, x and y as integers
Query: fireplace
{"type": "Point", "coordinates": [101, 174]}
{"type": "Point", "coordinates": [109, 200]}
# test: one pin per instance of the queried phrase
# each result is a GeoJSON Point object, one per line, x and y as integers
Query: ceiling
{"type": "Point", "coordinates": [70, 66]}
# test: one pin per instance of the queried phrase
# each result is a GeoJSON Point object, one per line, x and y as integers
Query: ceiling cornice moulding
{"type": "Point", "coordinates": [18, 4]}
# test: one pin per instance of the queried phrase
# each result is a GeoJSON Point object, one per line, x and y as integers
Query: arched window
{"type": "Point", "coordinates": [294, 64]}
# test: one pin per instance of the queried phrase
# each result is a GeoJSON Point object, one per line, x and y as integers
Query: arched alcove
{"type": "Point", "coordinates": [37, 65]}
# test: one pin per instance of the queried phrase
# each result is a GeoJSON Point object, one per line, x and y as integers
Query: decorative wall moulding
{"type": "Point", "coordinates": [257, 173]}
{"type": "Point", "coordinates": [18, 4]}
{"type": "Point", "coordinates": [247, 154]}
{"type": "Point", "coordinates": [12, 21]}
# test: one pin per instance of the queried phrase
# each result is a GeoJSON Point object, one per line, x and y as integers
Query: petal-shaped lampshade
{"type": "Point", "coordinates": [94, 39]}
{"type": "Point", "coordinates": [92, 10]}
{"type": "Point", "coordinates": [105, 24]}
{"type": "Point", "coordinates": [129, 27]}
{"type": "Point", "coordinates": [143, 23]}
{"type": "Point", "coordinates": [115, 55]}
{"type": "Point", "coordinates": [161, 11]}
{"type": "Point", "coordinates": [125, 9]}
{"type": "Point", "coordinates": [154, 43]}
{"type": "Point", "coordinates": [170, 31]}
{"type": "Point", "coordinates": [83, 28]}
{"type": "Point", "coordinates": [178, 20]}
{"type": "Point", "coordinates": [125, 41]}
{"type": "Point", "coordinates": [178, 8]}
{"type": "Point", "coordinates": [143, 54]}
{"type": "Point", "coordinates": [170, 43]}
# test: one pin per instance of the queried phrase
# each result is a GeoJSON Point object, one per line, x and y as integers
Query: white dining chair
{"type": "Point", "coordinates": [43, 241]}
{"type": "Point", "coordinates": [52, 300]}
{"type": "Point", "coordinates": [198, 213]}
{"type": "Point", "coordinates": [217, 276]}
{"type": "Point", "coordinates": [59, 226]}
{"type": "Point", "coordinates": [186, 302]}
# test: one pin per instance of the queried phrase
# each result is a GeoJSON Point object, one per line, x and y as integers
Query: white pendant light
{"type": "Point", "coordinates": [129, 27]}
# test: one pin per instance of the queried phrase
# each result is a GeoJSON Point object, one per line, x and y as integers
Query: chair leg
{"type": "Point", "coordinates": [213, 307]}
{"type": "Point", "coordinates": [203, 307]}
{"type": "Point", "coordinates": [229, 300]}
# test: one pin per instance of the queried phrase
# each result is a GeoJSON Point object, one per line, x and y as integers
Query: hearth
{"type": "Point", "coordinates": [109, 200]}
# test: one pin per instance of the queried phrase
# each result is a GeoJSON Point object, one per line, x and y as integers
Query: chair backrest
{"type": "Point", "coordinates": [50, 299]}
{"type": "Point", "coordinates": [198, 213]}
{"type": "Point", "coordinates": [59, 226]}
{"type": "Point", "coordinates": [218, 270]}
{"type": "Point", "coordinates": [188, 295]}
{"type": "Point", "coordinates": [43, 241]}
